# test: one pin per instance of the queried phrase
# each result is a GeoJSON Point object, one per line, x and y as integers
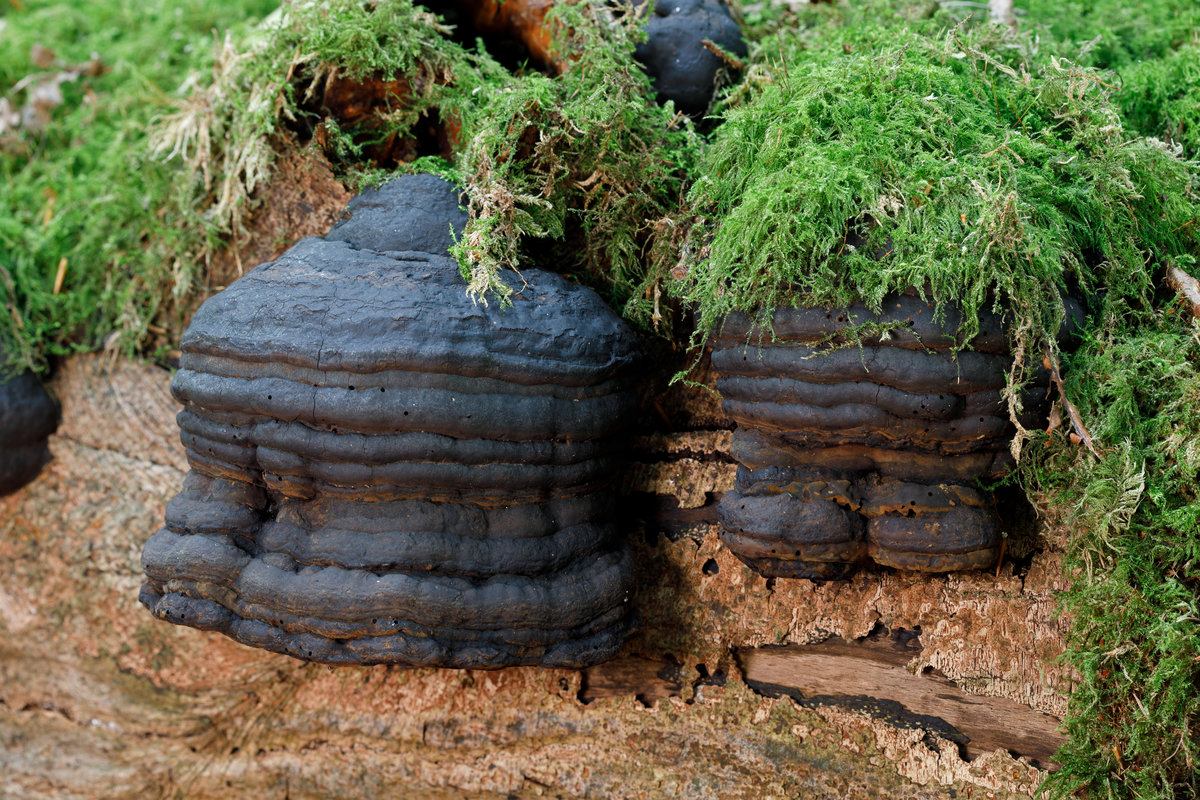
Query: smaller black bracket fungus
{"type": "Point", "coordinates": [27, 417]}
{"type": "Point", "coordinates": [384, 472]}
{"type": "Point", "coordinates": [681, 68]}
{"type": "Point", "coordinates": [867, 451]}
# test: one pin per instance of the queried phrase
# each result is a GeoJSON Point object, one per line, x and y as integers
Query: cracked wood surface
{"type": "Point", "coordinates": [97, 699]}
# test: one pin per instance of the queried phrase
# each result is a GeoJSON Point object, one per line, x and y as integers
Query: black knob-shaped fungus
{"type": "Point", "coordinates": [384, 472]}
{"type": "Point", "coordinates": [680, 67]}
{"type": "Point", "coordinates": [27, 418]}
{"type": "Point", "coordinates": [867, 451]}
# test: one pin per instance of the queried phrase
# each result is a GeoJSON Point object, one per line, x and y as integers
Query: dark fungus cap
{"type": "Point", "coordinates": [863, 435]}
{"type": "Point", "coordinates": [413, 212]}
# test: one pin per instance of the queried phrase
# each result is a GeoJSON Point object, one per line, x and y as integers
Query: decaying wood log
{"type": "Point", "coordinates": [98, 699]}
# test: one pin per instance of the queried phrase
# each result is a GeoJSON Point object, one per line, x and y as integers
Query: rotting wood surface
{"type": "Point", "coordinates": [98, 699]}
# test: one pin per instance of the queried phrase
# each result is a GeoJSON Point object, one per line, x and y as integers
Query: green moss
{"type": "Point", "coordinates": [978, 182]}
{"type": "Point", "coordinates": [1162, 98]}
{"type": "Point", "coordinates": [229, 127]}
{"type": "Point", "coordinates": [1152, 47]}
{"type": "Point", "coordinates": [584, 159]}
{"type": "Point", "coordinates": [1115, 33]}
{"type": "Point", "coordinates": [84, 188]}
{"type": "Point", "coordinates": [1135, 554]}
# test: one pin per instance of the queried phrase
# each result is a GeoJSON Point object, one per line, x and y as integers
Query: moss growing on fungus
{"type": "Point", "coordinates": [913, 160]}
{"type": "Point", "coordinates": [582, 159]}
{"type": "Point", "coordinates": [983, 168]}
{"type": "Point", "coordinates": [586, 151]}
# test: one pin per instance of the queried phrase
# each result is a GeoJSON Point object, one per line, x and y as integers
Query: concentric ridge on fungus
{"type": "Point", "coordinates": [384, 472]}
{"type": "Point", "coordinates": [27, 417]}
{"type": "Point", "coordinates": [868, 451]}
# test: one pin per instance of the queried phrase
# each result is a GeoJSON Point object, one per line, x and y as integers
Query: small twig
{"type": "Point", "coordinates": [1080, 430]}
{"type": "Point", "coordinates": [984, 57]}
{"type": "Point", "coordinates": [728, 58]}
{"type": "Point", "coordinates": [62, 273]}
{"type": "Point", "coordinates": [1186, 287]}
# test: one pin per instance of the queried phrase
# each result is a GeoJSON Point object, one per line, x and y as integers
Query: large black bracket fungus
{"type": "Point", "coordinates": [681, 68]}
{"type": "Point", "coordinates": [384, 472]}
{"type": "Point", "coordinates": [27, 417]}
{"type": "Point", "coordinates": [867, 451]}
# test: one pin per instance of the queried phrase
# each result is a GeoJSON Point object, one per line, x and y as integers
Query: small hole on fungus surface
{"type": "Point", "coordinates": [710, 567]}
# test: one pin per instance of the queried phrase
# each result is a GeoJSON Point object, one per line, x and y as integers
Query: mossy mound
{"type": "Point", "coordinates": [906, 160]}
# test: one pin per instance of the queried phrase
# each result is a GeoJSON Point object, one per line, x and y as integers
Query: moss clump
{"type": "Point", "coordinates": [82, 194]}
{"type": "Point", "coordinates": [584, 157]}
{"type": "Point", "coordinates": [1162, 98]}
{"type": "Point", "coordinates": [1154, 49]}
{"type": "Point", "coordinates": [1135, 554]}
{"type": "Point", "coordinates": [845, 173]}
{"type": "Point", "coordinates": [1114, 33]}
{"type": "Point", "coordinates": [228, 129]}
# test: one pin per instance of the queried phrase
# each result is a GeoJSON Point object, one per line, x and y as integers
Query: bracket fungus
{"type": "Point", "coordinates": [870, 450]}
{"type": "Point", "coordinates": [384, 472]}
{"type": "Point", "coordinates": [27, 418]}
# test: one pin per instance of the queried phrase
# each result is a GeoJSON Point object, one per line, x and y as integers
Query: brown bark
{"type": "Point", "coordinates": [1187, 287]}
{"type": "Point", "coordinates": [97, 699]}
{"type": "Point", "coordinates": [521, 20]}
